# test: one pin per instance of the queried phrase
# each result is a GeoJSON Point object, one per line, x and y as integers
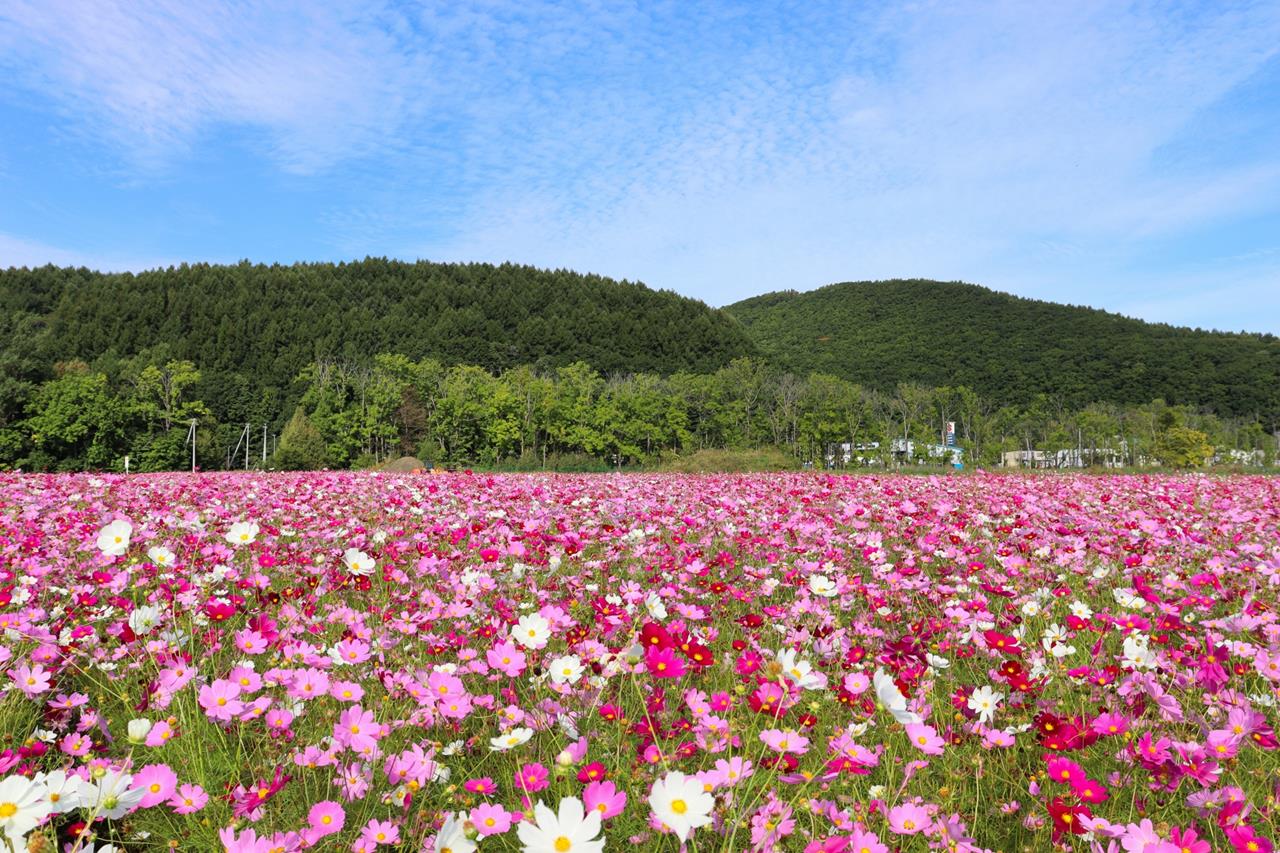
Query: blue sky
{"type": "Point", "coordinates": [1124, 156]}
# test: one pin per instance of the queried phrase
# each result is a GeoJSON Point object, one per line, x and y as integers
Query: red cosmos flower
{"type": "Point", "coordinates": [1002, 643]}
{"type": "Point", "coordinates": [653, 634]}
{"type": "Point", "coordinates": [593, 772]}
{"type": "Point", "coordinates": [698, 655]}
{"type": "Point", "coordinates": [1066, 818]}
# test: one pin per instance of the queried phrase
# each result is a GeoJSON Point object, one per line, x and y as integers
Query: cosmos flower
{"type": "Point", "coordinates": [570, 829]}
{"type": "Point", "coordinates": [113, 538]}
{"type": "Point", "coordinates": [680, 803]}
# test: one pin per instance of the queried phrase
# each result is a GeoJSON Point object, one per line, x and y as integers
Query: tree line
{"type": "Point", "coordinates": [359, 413]}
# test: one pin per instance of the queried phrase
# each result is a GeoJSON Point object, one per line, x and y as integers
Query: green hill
{"type": "Point", "coordinates": [267, 323]}
{"type": "Point", "coordinates": [1007, 348]}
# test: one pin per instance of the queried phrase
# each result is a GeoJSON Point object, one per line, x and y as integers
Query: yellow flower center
{"type": "Point", "coordinates": [563, 844]}
{"type": "Point", "coordinates": [679, 806]}
{"type": "Point", "coordinates": [8, 810]}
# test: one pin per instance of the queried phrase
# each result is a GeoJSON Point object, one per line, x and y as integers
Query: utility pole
{"type": "Point", "coordinates": [246, 447]}
{"type": "Point", "coordinates": [264, 446]}
{"type": "Point", "coordinates": [191, 439]}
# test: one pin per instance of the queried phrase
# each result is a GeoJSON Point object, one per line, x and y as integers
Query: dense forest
{"type": "Point", "coordinates": [352, 364]}
{"type": "Point", "coordinates": [359, 414]}
{"type": "Point", "coordinates": [1008, 348]}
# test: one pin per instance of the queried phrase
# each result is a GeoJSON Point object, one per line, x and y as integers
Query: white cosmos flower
{"type": "Point", "coordinates": [358, 562]}
{"type": "Point", "coordinates": [143, 619]}
{"type": "Point", "coordinates": [682, 803]}
{"type": "Point", "coordinates": [653, 604]}
{"type": "Point", "coordinates": [1127, 598]}
{"type": "Point", "coordinates": [453, 835]}
{"type": "Point", "coordinates": [1080, 610]}
{"type": "Point", "coordinates": [1137, 652]}
{"type": "Point", "coordinates": [892, 699]}
{"type": "Point", "coordinates": [936, 661]}
{"type": "Point", "coordinates": [822, 585]}
{"type": "Point", "coordinates": [113, 538]}
{"type": "Point", "coordinates": [800, 671]}
{"type": "Point", "coordinates": [569, 830]}
{"type": "Point", "coordinates": [565, 670]}
{"type": "Point", "coordinates": [1031, 608]}
{"type": "Point", "coordinates": [65, 791]}
{"type": "Point", "coordinates": [161, 556]}
{"type": "Point", "coordinates": [532, 631]}
{"type": "Point", "coordinates": [23, 804]}
{"type": "Point", "coordinates": [984, 701]}
{"type": "Point", "coordinates": [511, 739]}
{"type": "Point", "coordinates": [242, 533]}
{"type": "Point", "coordinates": [112, 797]}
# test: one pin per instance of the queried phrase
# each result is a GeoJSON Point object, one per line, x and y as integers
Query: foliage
{"type": "Point", "coordinates": [732, 461]}
{"type": "Point", "coordinates": [1183, 447]}
{"type": "Point", "coordinates": [1009, 349]}
{"type": "Point", "coordinates": [302, 448]}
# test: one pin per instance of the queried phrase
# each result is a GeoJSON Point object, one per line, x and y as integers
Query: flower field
{"type": "Point", "coordinates": [347, 661]}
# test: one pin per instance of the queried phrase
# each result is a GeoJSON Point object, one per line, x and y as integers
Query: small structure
{"type": "Point", "coordinates": [1245, 458]}
{"type": "Point", "coordinates": [1070, 457]}
{"type": "Point", "coordinates": [845, 454]}
{"type": "Point", "coordinates": [905, 450]}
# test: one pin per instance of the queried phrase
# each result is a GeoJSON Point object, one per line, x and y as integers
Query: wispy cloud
{"type": "Point", "coordinates": [716, 149]}
{"type": "Point", "coordinates": [320, 82]}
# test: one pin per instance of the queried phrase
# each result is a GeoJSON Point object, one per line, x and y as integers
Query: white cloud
{"type": "Point", "coordinates": [323, 83]}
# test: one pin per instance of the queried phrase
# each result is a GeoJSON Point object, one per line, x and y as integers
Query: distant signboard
{"type": "Point", "coordinates": [951, 434]}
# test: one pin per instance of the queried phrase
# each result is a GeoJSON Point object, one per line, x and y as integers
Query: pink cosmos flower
{"type": "Point", "coordinates": [864, 841]}
{"type": "Point", "coordinates": [346, 691]}
{"type": "Point", "coordinates": [246, 842]}
{"type": "Point", "coordinates": [1090, 791]}
{"type": "Point", "coordinates": [159, 734]}
{"type": "Point", "coordinates": [663, 662]}
{"type": "Point", "coordinates": [250, 642]}
{"type": "Point", "coordinates": [76, 744]}
{"type": "Point", "coordinates": [507, 658]}
{"type": "Point", "coordinates": [326, 818]}
{"type": "Point", "coordinates": [308, 684]}
{"type": "Point", "coordinates": [357, 729]}
{"type": "Point", "coordinates": [380, 832]}
{"type": "Point", "coordinates": [785, 740]}
{"type": "Point", "coordinates": [188, 799]}
{"type": "Point", "coordinates": [483, 786]}
{"type": "Point", "coordinates": [532, 778]}
{"type": "Point", "coordinates": [157, 783]}
{"type": "Point", "coordinates": [908, 819]}
{"type": "Point", "coordinates": [490, 819]}
{"type": "Point", "coordinates": [219, 700]}
{"type": "Point", "coordinates": [1066, 771]}
{"type": "Point", "coordinates": [925, 738]}
{"type": "Point", "coordinates": [605, 798]}
{"type": "Point", "coordinates": [31, 680]}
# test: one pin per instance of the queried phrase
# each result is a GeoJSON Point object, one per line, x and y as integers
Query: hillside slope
{"type": "Point", "coordinates": [1008, 348]}
{"type": "Point", "coordinates": [269, 322]}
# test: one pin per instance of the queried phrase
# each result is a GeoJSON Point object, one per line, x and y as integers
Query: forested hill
{"type": "Point", "coordinates": [270, 322]}
{"type": "Point", "coordinates": [1007, 348]}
